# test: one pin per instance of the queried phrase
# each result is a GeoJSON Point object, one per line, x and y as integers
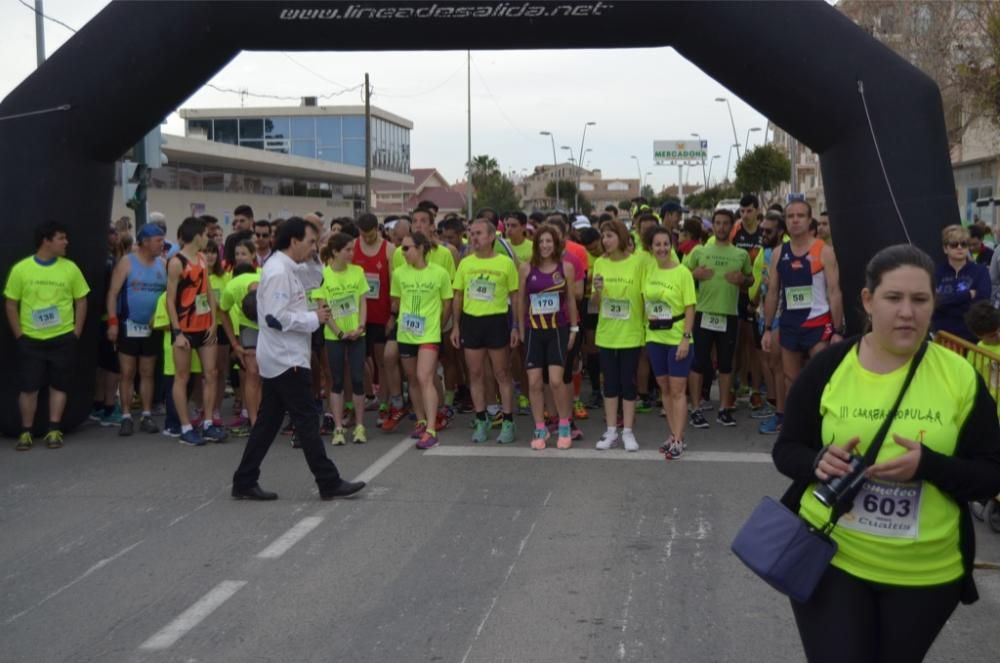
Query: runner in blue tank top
{"type": "Point", "coordinates": [136, 284]}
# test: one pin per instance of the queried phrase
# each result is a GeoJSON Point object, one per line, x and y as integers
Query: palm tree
{"type": "Point", "coordinates": [482, 167]}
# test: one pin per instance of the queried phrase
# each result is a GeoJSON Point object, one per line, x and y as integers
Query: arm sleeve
{"type": "Point", "coordinates": [973, 473]}
{"type": "Point", "coordinates": [512, 280]}
{"type": "Point", "coordinates": [800, 438]}
{"type": "Point", "coordinates": [458, 283]}
{"type": "Point", "coordinates": [982, 284]}
{"type": "Point", "coordinates": [394, 284]}
{"type": "Point", "coordinates": [690, 296]}
{"type": "Point", "coordinates": [80, 286]}
{"type": "Point", "coordinates": [14, 285]}
{"type": "Point", "coordinates": [274, 297]}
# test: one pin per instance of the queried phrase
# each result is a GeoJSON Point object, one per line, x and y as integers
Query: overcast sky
{"type": "Point", "coordinates": [515, 94]}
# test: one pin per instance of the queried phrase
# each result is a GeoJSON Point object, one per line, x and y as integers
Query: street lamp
{"type": "Point", "coordinates": [555, 162]}
{"type": "Point", "coordinates": [736, 139]}
{"type": "Point", "coordinates": [729, 158]}
{"type": "Point", "coordinates": [648, 175]}
{"type": "Point", "coordinates": [703, 175]}
{"type": "Point", "coordinates": [638, 169]}
{"type": "Point", "coordinates": [710, 162]}
{"type": "Point", "coordinates": [576, 200]}
{"type": "Point", "coordinates": [746, 143]}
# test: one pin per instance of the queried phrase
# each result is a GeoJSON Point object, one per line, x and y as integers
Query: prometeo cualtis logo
{"type": "Point", "coordinates": [472, 10]}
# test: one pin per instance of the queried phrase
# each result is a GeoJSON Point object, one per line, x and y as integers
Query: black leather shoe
{"type": "Point", "coordinates": [344, 489]}
{"type": "Point", "coordinates": [255, 493]}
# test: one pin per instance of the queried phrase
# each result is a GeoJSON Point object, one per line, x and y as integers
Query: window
{"type": "Point", "coordinates": [226, 132]}
{"type": "Point", "coordinates": [328, 131]}
{"type": "Point", "coordinates": [303, 128]}
{"type": "Point", "coordinates": [255, 144]}
{"type": "Point", "coordinates": [618, 186]}
{"type": "Point", "coordinates": [354, 126]}
{"type": "Point", "coordinates": [333, 154]}
{"type": "Point", "coordinates": [276, 127]}
{"type": "Point", "coordinates": [304, 148]}
{"type": "Point", "coordinates": [200, 128]}
{"type": "Point", "coordinates": [354, 152]}
{"type": "Point", "coordinates": [252, 129]}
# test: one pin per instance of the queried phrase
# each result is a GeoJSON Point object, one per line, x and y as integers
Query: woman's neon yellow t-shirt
{"type": "Point", "coordinates": [522, 250]}
{"type": "Point", "coordinates": [232, 300]}
{"type": "Point", "coordinates": [218, 283]}
{"type": "Point", "coordinates": [485, 284]}
{"type": "Point", "coordinates": [46, 295]}
{"type": "Point", "coordinates": [666, 294]}
{"type": "Point", "coordinates": [897, 533]}
{"type": "Point", "coordinates": [620, 321]}
{"type": "Point", "coordinates": [421, 294]}
{"type": "Point", "coordinates": [343, 292]}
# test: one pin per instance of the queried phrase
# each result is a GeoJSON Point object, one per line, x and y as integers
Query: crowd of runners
{"type": "Point", "coordinates": [504, 317]}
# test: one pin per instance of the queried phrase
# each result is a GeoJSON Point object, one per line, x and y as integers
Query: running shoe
{"type": "Point", "coordinates": [676, 449]}
{"type": "Point", "coordinates": [564, 442]}
{"type": "Point", "coordinates": [126, 428]}
{"type": "Point", "coordinates": [394, 416]}
{"type": "Point", "coordinates": [239, 420]}
{"type": "Point", "coordinates": [383, 413]}
{"type": "Point", "coordinates": [289, 429]}
{"type": "Point", "coordinates": [339, 438]}
{"type": "Point", "coordinates": [539, 439]}
{"type": "Point", "coordinates": [506, 433]}
{"type": "Point", "coordinates": [173, 431]}
{"type": "Point", "coordinates": [24, 442]}
{"type": "Point", "coordinates": [697, 419]}
{"type": "Point", "coordinates": [427, 441]}
{"type": "Point", "coordinates": [756, 400]}
{"type": "Point", "coordinates": [359, 436]}
{"type": "Point", "coordinates": [607, 440]}
{"type": "Point", "coordinates": [147, 425]}
{"type": "Point", "coordinates": [707, 405]}
{"type": "Point", "coordinates": [642, 406]}
{"type": "Point", "coordinates": [349, 418]}
{"type": "Point", "coordinates": [240, 431]}
{"type": "Point", "coordinates": [328, 425]}
{"type": "Point", "coordinates": [596, 401]}
{"type": "Point", "coordinates": [465, 405]}
{"type": "Point", "coordinates": [769, 426]}
{"type": "Point", "coordinates": [113, 418]}
{"type": "Point", "coordinates": [743, 393]}
{"type": "Point", "coordinates": [665, 447]}
{"type": "Point", "coordinates": [580, 410]}
{"type": "Point", "coordinates": [215, 434]}
{"type": "Point", "coordinates": [762, 412]}
{"type": "Point", "coordinates": [295, 442]}
{"type": "Point", "coordinates": [444, 416]}
{"type": "Point", "coordinates": [725, 417]}
{"type": "Point", "coordinates": [523, 405]}
{"type": "Point", "coordinates": [418, 430]}
{"type": "Point", "coordinates": [480, 433]}
{"type": "Point", "coordinates": [192, 438]}
{"type": "Point", "coordinates": [574, 432]}
{"type": "Point", "coordinates": [629, 441]}
{"type": "Point", "coordinates": [96, 414]}
{"type": "Point", "coordinates": [371, 403]}
{"type": "Point", "coordinates": [54, 439]}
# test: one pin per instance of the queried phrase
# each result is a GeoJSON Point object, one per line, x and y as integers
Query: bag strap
{"type": "Point", "coordinates": [871, 454]}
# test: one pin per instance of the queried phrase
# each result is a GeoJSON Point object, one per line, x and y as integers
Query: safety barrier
{"type": "Point", "coordinates": [986, 364]}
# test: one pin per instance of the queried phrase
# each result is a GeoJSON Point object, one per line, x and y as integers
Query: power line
{"type": "Point", "coordinates": [46, 17]}
{"type": "Point", "coordinates": [426, 90]}
{"type": "Point", "coordinates": [313, 72]}
{"type": "Point", "coordinates": [259, 95]}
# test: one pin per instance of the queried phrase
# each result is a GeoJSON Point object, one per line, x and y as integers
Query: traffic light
{"type": "Point", "coordinates": [135, 178]}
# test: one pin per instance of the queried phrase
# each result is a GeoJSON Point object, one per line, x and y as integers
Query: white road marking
{"type": "Point", "coordinates": [96, 567]}
{"type": "Point", "coordinates": [193, 616]}
{"type": "Point", "coordinates": [594, 454]}
{"type": "Point", "coordinates": [189, 513]}
{"type": "Point", "coordinates": [283, 543]}
{"type": "Point", "coordinates": [387, 459]}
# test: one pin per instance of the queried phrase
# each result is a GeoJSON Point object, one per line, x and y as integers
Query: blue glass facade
{"type": "Point", "coordinates": [337, 139]}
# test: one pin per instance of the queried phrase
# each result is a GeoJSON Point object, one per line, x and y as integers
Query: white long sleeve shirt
{"type": "Point", "coordinates": [282, 296]}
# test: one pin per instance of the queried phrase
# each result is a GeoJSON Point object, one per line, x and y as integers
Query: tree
{"type": "Point", "coordinates": [762, 169]}
{"type": "Point", "coordinates": [498, 192]}
{"type": "Point", "coordinates": [483, 167]}
{"type": "Point", "coordinates": [647, 192]}
{"type": "Point", "coordinates": [567, 191]}
{"type": "Point", "coordinates": [981, 78]}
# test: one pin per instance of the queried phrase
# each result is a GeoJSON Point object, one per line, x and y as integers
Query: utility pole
{"type": "Point", "coordinates": [368, 145]}
{"type": "Point", "coordinates": [39, 32]}
{"type": "Point", "coordinates": [468, 101]}
{"type": "Point", "coordinates": [141, 207]}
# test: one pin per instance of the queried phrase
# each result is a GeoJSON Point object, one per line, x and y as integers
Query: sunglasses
{"type": "Point", "coordinates": [957, 245]}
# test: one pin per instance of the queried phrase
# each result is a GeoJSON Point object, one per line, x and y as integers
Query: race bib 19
{"type": "Point", "coordinates": [714, 322]}
{"type": "Point", "coordinates": [616, 309]}
{"type": "Point", "coordinates": [544, 303]}
{"type": "Point", "coordinates": [886, 509]}
{"type": "Point", "coordinates": [414, 325]}
{"type": "Point", "coordinates": [798, 297]}
{"type": "Point", "coordinates": [482, 290]}
{"type": "Point", "coordinates": [343, 307]}
{"type": "Point", "coordinates": [45, 318]}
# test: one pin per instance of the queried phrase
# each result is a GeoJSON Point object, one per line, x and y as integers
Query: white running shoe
{"type": "Point", "coordinates": [607, 440]}
{"type": "Point", "coordinates": [628, 439]}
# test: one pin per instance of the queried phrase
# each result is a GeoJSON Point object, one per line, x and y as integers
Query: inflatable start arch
{"type": "Point", "coordinates": [135, 62]}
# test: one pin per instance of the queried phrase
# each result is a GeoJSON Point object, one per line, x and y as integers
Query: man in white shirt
{"type": "Point", "coordinates": [283, 356]}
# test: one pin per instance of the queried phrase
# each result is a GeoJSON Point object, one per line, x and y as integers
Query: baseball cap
{"type": "Point", "coordinates": [149, 230]}
{"type": "Point", "coordinates": [581, 222]}
{"type": "Point", "coordinates": [671, 206]}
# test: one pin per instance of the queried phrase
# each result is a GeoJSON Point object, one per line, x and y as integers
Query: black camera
{"type": "Point", "coordinates": [836, 489]}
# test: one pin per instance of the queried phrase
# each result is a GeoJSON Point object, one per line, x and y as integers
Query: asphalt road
{"type": "Point", "coordinates": [131, 550]}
